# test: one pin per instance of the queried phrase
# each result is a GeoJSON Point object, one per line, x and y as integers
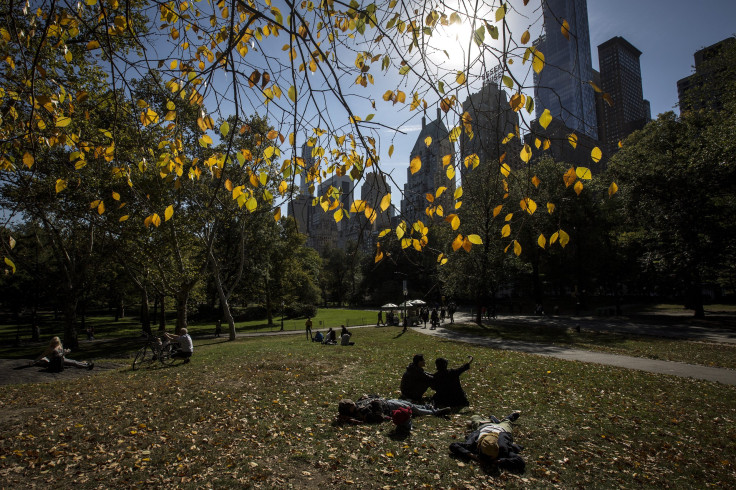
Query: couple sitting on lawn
{"type": "Point", "coordinates": [445, 383]}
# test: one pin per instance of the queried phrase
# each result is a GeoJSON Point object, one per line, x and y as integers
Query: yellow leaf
{"type": "Point", "coordinates": [428, 141]}
{"type": "Point", "coordinates": [406, 242]}
{"type": "Point", "coordinates": [583, 173]}
{"type": "Point", "coordinates": [10, 264]}
{"type": "Point", "coordinates": [564, 238]}
{"type": "Point", "coordinates": [612, 189]}
{"type": "Point", "coordinates": [578, 187]}
{"type": "Point", "coordinates": [475, 239]}
{"type": "Point", "coordinates": [400, 230]}
{"type": "Point", "coordinates": [508, 217]}
{"type": "Point", "coordinates": [169, 212]}
{"type": "Point", "coordinates": [415, 165]}
{"type": "Point", "coordinates": [596, 154]}
{"type": "Point", "coordinates": [565, 29]}
{"type": "Point", "coordinates": [450, 173]}
{"type": "Point", "coordinates": [292, 93]}
{"type": "Point", "coordinates": [460, 78]}
{"type": "Point", "coordinates": [338, 215]}
{"type": "Point", "coordinates": [550, 207]}
{"type": "Point", "coordinates": [62, 121]}
{"type": "Point", "coordinates": [554, 238]}
{"type": "Point", "coordinates": [517, 248]}
{"type": "Point", "coordinates": [228, 185]}
{"type": "Point", "coordinates": [458, 193]}
{"type": "Point", "coordinates": [101, 208]}
{"type": "Point", "coordinates": [124, 218]}
{"type": "Point", "coordinates": [358, 206]}
{"type": "Point", "coordinates": [471, 161]}
{"type": "Point", "coordinates": [60, 185]}
{"type": "Point", "coordinates": [505, 169]}
{"type": "Point", "coordinates": [28, 160]}
{"type": "Point", "coordinates": [384, 232]}
{"type": "Point", "coordinates": [205, 141]}
{"type": "Point", "coordinates": [545, 119]}
{"type": "Point", "coordinates": [385, 202]}
{"type": "Point", "coordinates": [569, 177]}
{"type": "Point", "coordinates": [277, 214]}
{"type": "Point", "coordinates": [467, 245]}
{"type": "Point", "coordinates": [526, 153]}
{"type": "Point", "coordinates": [251, 204]}
{"type": "Point", "coordinates": [506, 230]}
{"type": "Point", "coordinates": [378, 258]}
{"type": "Point", "coordinates": [454, 221]}
{"type": "Point", "coordinates": [528, 205]}
{"type": "Point", "coordinates": [500, 13]}
{"type": "Point", "coordinates": [93, 45]}
{"type": "Point", "coordinates": [115, 196]}
{"type": "Point", "coordinates": [536, 181]}
{"type": "Point", "coordinates": [538, 61]}
{"type": "Point", "coordinates": [457, 243]}
{"type": "Point", "coordinates": [391, 150]}
{"type": "Point", "coordinates": [573, 140]}
{"type": "Point", "coordinates": [525, 37]}
{"type": "Point", "coordinates": [497, 210]}
{"type": "Point", "coordinates": [542, 241]}
{"type": "Point", "coordinates": [446, 160]}
{"type": "Point", "coordinates": [156, 220]}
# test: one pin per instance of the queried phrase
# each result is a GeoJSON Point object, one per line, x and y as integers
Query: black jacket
{"type": "Point", "coordinates": [508, 452]}
{"type": "Point", "coordinates": [415, 382]}
{"type": "Point", "coordinates": [446, 384]}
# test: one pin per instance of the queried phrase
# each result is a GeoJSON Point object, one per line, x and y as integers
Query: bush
{"type": "Point", "coordinates": [300, 310]}
{"type": "Point", "coordinates": [250, 313]}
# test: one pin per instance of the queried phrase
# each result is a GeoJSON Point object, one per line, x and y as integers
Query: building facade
{"type": "Point", "coordinates": [432, 174]}
{"type": "Point", "coordinates": [620, 77]}
{"type": "Point", "coordinates": [562, 86]}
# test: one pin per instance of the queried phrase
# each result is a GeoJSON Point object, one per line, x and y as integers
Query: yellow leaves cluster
{"type": "Point", "coordinates": [466, 242]}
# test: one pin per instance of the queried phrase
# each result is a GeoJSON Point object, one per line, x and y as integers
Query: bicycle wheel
{"type": "Point", "coordinates": [144, 354]}
{"type": "Point", "coordinates": [166, 354]}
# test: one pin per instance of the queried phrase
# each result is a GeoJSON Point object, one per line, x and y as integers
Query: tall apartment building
{"type": "Point", "coordinates": [690, 90]}
{"type": "Point", "coordinates": [432, 174]}
{"type": "Point", "coordinates": [620, 77]}
{"type": "Point", "coordinates": [491, 119]}
{"type": "Point", "coordinates": [562, 86]}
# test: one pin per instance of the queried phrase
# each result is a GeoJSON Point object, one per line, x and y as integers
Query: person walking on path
{"type": "Point", "coordinates": [435, 319]}
{"type": "Point", "coordinates": [308, 326]}
{"type": "Point", "coordinates": [380, 318]}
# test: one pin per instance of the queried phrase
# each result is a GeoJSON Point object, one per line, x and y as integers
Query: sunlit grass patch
{"type": "Point", "coordinates": [259, 412]}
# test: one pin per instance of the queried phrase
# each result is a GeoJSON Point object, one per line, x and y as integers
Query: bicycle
{"type": "Point", "coordinates": [154, 350]}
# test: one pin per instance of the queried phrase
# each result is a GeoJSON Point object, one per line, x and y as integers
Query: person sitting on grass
{"type": "Point", "coordinates": [491, 443]}
{"type": "Point", "coordinates": [370, 409]}
{"type": "Point", "coordinates": [53, 358]}
{"type": "Point", "coordinates": [415, 380]}
{"type": "Point", "coordinates": [318, 337]}
{"type": "Point", "coordinates": [446, 384]}
{"type": "Point", "coordinates": [330, 337]}
{"type": "Point", "coordinates": [186, 346]}
{"type": "Point", "coordinates": [345, 336]}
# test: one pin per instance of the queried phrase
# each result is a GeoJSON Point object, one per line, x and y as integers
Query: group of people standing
{"type": "Point", "coordinates": [490, 440]}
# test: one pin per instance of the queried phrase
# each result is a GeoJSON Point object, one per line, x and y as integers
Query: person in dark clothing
{"type": "Point", "coordinates": [435, 319]}
{"type": "Point", "coordinates": [491, 443]}
{"type": "Point", "coordinates": [446, 384]}
{"type": "Point", "coordinates": [330, 337]}
{"type": "Point", "coordinates": [369, 409]}
{"type": "Point", "coordinates": [415, 381]}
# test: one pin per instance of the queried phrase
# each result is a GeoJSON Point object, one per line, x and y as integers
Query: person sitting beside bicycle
{"type": "Point", "coordinates": [186, 346]}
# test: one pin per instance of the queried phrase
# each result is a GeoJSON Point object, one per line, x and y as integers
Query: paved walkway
{"type": "Point", "coordinates": [720, 375]}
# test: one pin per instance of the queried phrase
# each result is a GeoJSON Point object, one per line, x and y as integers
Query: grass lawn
{"type": "Point", "coordinates": [125, 333]}
{"type": "Point", "coordinates": [258, 412]}
{"type": "Point", "coordinates": [692, 352]}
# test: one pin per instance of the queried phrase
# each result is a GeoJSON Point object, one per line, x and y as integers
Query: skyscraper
{"type": "Point", "coordinates": [432, 174]}
{"type": "Point", "coordinates": [562, 86]}
{"type": "Point", "coordinates": [705, 88]}
{"type": "Point", "coordinates": [620, 77]}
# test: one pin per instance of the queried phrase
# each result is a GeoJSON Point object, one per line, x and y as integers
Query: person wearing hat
{"type": "Point", "coordinates": [415, 381]}
{"type": "Point", "coordinates": [446, 384]}
{"type": "Point", "coordinates": [492, 443]}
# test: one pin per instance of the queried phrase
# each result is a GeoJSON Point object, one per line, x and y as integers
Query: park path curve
{"type": "Point", "coordinates": [720, 375]}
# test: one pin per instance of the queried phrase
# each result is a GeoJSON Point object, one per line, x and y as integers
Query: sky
{"type": "Point", "coordinates": [667, 32]}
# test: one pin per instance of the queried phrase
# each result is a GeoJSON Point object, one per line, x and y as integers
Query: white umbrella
{"type": "Point", "coordinates": [406, 304]}
{"type": "Point", "coordinates": [418, 302]}
{"type": "Point", "coordinates": [389, 306]}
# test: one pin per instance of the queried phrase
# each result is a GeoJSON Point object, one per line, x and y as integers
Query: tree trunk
{"type": "Point", "coordinates": [162, 313]}
{"type": "Point", "coordinates": [182, 296]}
{"type": "Point", "coordinates": [145, 314]}
{"type": "Point", "coordinates": [71, 341]}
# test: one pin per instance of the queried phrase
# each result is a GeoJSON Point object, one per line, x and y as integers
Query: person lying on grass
{"type": "Point", "coordinates": [53, 358]}
{"type": "Point", "coordinates": [370, 409]}
{"type": "Point", "coordinates": [186, 346]}
{"type": "Point", "coordinates": [491, 443]}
